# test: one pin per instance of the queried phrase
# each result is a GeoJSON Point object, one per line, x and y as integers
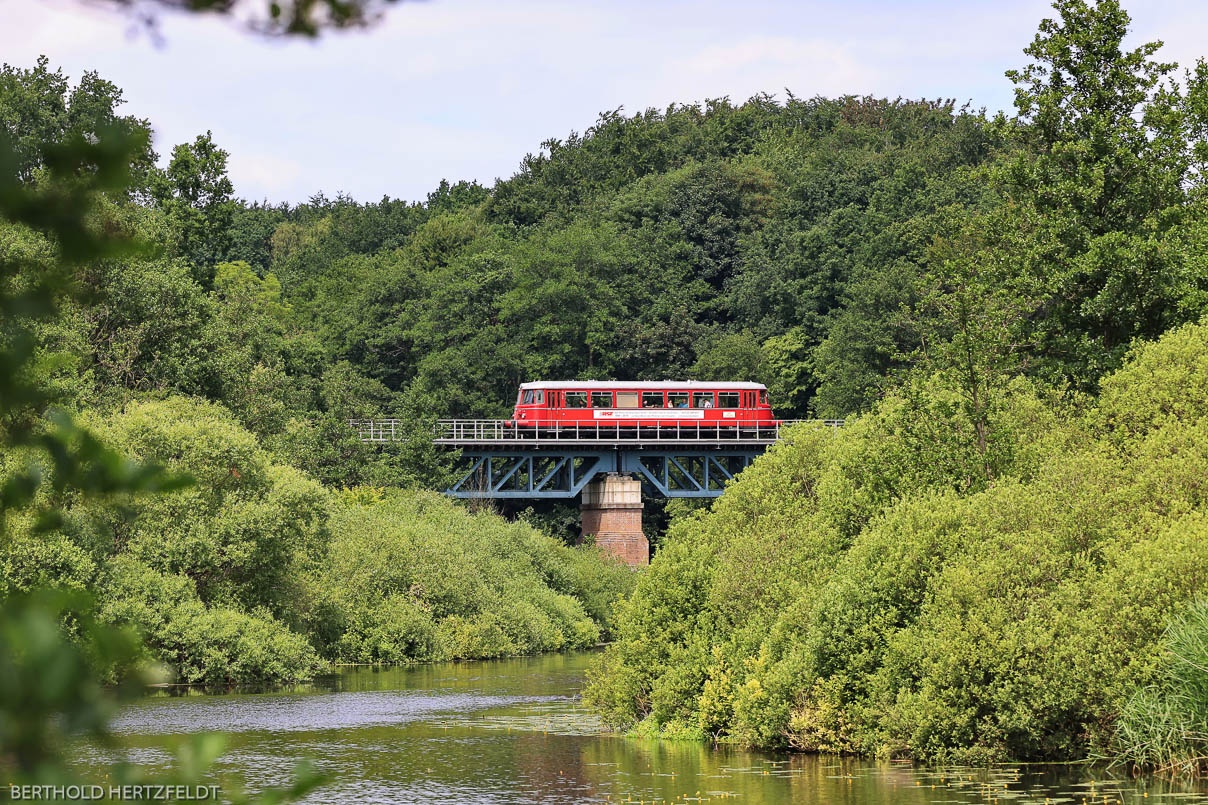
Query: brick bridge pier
{"type": "Point", "coordinates": [611, 514]}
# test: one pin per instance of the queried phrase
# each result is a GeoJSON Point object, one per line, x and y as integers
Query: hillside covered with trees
{"type": "Point", "coordinates": [1005, 308]}
{"type": "Point", "coordinates": [824, 246]}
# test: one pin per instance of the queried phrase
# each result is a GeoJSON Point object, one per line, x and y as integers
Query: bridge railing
{"type": "Point", "coordinates": [497, 431]}
{"type": "Point", "coordinates": [379, 430]}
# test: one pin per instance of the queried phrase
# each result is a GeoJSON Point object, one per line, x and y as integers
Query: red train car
{"type": "Point", "coordinates": [642, 404]}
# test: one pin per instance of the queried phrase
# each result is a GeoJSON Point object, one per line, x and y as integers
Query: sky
{"type": "Point", "coordinates": [463, 89]}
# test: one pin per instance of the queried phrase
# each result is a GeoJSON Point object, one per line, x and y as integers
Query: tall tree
{"type": "Point", "coordinates": [195, 193]}
{"type": "Point", "coordinates": [1100, 180]}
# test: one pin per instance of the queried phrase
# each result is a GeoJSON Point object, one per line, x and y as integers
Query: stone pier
{"type": "Point", "coordinates": [611, 511]}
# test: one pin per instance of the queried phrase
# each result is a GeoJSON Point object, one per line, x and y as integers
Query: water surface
{"type": "Point", "coordinates": [513, 731]}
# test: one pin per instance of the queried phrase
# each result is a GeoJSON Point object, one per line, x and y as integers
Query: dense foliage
{"type": "Point", "coordinates": [876, 592]}
{"type": "Point", "coordinates": [407, 579]}
{"type": "Point", "coordinates": [981, 565]}
{"type": "Point", "coordinates": [824, 246]}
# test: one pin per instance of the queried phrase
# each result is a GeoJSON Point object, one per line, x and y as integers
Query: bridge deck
{"type": "Point", "coordinates": [496, 433]}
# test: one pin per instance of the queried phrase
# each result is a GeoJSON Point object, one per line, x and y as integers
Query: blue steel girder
{"type": "Point", "coordinates": [686, 473]}
{"type": "Point", "coordinates": [530, 473]}
{"type": "Point", "coordinates": [563, 472]}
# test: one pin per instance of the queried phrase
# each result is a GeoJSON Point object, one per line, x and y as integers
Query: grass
{"type": "Point", "coordinates": [1164, 726]}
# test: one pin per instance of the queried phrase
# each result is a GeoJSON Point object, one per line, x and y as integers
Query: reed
{"type": "Point", "coordinates": [1164, 726]}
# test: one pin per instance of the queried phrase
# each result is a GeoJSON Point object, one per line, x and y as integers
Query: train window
{"type": "Point", "coordinates": [702, 399]}
{"type": "Point", "coordinates": [539, 396]}
{"type": "Point", "coordinates": [575, 399]}
{"type": "Point", "coordinates": [763, 397]}
{"type": "Point", "coordinates": [527, 397]}
{"type": "Point", "coordinates": [727, 399]}
{"type": "Point", "coordinates": [601, 399]}
{"type": "Point", "coordinates": [652, 399]}
{"type": "Point", "coordinates": [627, 399]}
{"type": "Point", "coordinates": [677, 399]}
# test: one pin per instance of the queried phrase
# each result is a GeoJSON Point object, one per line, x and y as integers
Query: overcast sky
{"type": "Point", "coordinates": [462, 89]}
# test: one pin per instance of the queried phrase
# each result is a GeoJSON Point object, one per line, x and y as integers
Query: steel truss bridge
{"type": "Point", "coordinates": [558, 459]}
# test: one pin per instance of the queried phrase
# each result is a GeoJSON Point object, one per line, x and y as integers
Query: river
{"type": "Point", "coordinates": [513, 731]}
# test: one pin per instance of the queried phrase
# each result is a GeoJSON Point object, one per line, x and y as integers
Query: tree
{"type": "Point", "coordinates": [788, 366]}
{"type": "Point", "coordinates": [1196, 111]}
{"type": "Point", "coordinates": [195, 194]}
{"type": "Point", "coordinates": [1099, 180]}
{"type": "Point", "coordinates": [251, 344]}
{"type": "Point", "coordinates": [970, 322]}
{"type": "Point", "coordinates": [730, 357]}
{"type": "Point", "coordinates": [38, 108]}
{"type": "Point", "coordinates": [145, 327]}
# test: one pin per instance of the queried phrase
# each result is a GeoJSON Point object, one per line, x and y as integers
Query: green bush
{"type": "Point", "coordinates": [30, 561]}
{"type": "Point", "coordinates": [243, 531]}
{"type": "Point", "coordinates": [396, 630]}
{"type": "Point", "coordinates": [413, 576]}
{"type": "Point", "coordinates": [211, 645]}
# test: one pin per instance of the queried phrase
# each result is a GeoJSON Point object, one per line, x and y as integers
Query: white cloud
{"type": "Point", "coordinates": [274, 174]}
{"type": "Point", "coordinates": [772, 63]}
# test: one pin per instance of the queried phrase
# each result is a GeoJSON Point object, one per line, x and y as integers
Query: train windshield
{"type": "Point", "coordinates": [532, 396]}
{"type": "Point", "coordinates": [763, 397]}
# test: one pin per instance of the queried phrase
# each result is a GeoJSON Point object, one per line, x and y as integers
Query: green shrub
{"type": "Point", "coordinates": [1163, 725]}
{"type": "Point", "coordinates": [246, 528]}
{"type": "Point", "coordinates": [1161, 382]}
{"type": "Point", "coordinates": [395, 630]}
{"type": "Point", "coordinates": [30, 561]}
{"type": "Point", "coordinates": [226, 646]}
{"type": "Point", "coordinates": [212, 645]}
{"type": "Point", "coordinates": [413, 576]}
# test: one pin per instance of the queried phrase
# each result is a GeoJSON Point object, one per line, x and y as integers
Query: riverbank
{"type": "Point", "coordinates": [943, 582]}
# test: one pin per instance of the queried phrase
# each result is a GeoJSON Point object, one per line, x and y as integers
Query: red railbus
{"type": "Point", "coordinates": [642, 404]}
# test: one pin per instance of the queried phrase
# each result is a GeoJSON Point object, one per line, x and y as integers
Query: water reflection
{"type": "Point", "coordinates": [513, 731]}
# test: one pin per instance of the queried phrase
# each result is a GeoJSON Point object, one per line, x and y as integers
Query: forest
{"type": "Point", "coordinates": [999, 557]}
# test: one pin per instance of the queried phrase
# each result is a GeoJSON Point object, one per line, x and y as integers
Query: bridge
{"type": "Point", "coordinates": [607, 464]}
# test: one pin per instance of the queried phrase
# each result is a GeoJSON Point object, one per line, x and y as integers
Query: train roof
{"type": "Point", "coordinates": [639, 384]}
